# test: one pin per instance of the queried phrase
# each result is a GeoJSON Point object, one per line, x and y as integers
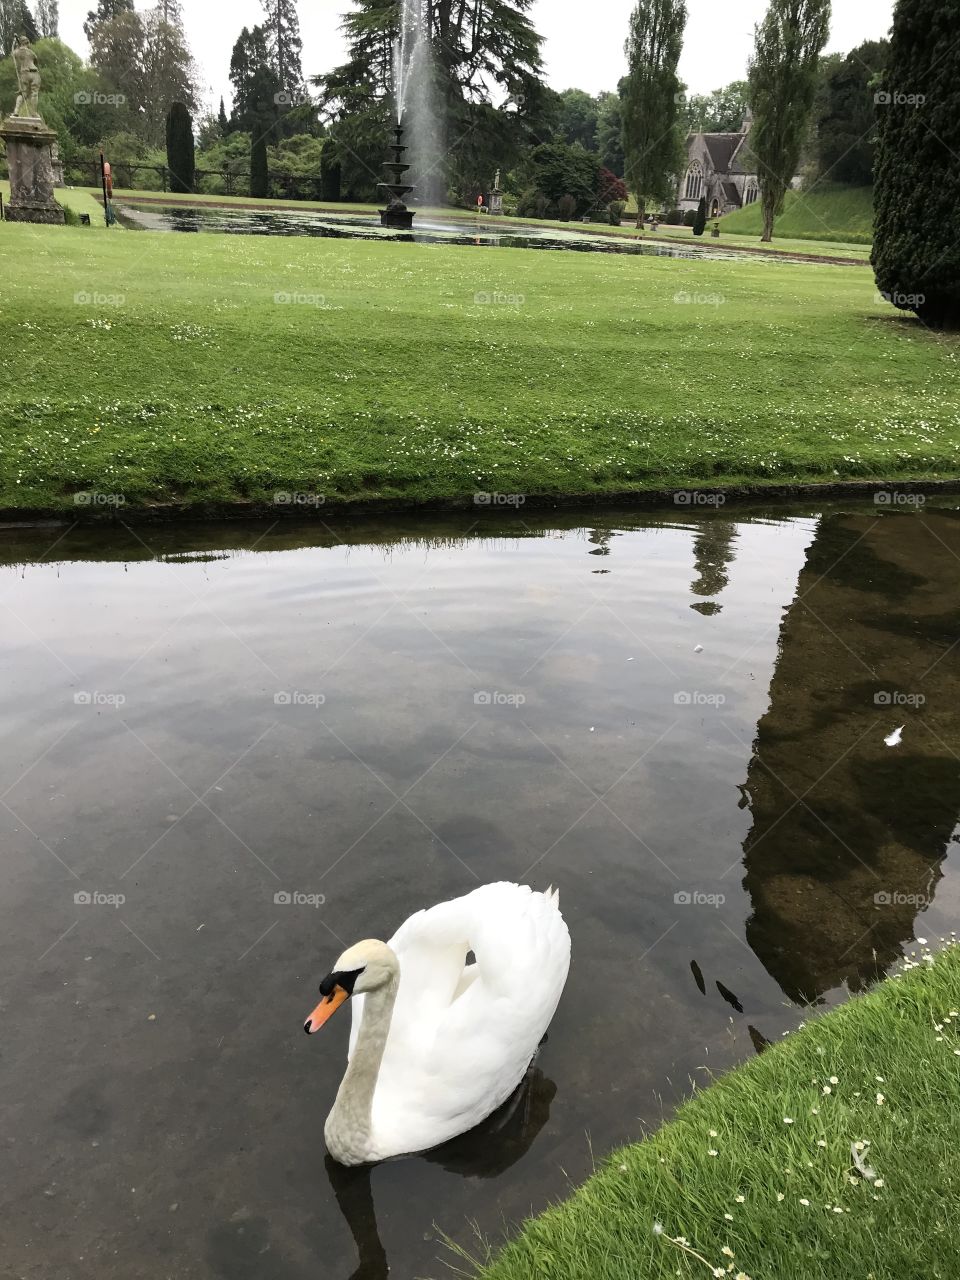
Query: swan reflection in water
{"type": "Point", "coordinates": [485, 1152]}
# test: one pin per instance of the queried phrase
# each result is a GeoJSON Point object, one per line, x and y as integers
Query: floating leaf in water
{"type": "Point", "coordinates": [894, 739]}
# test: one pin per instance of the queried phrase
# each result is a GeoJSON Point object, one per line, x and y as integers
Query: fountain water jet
{"type": "Point", "coordinates": [413, 81]}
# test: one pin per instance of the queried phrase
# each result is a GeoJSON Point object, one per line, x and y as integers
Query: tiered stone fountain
{"type": "Point", "coordinates": [396, 214]}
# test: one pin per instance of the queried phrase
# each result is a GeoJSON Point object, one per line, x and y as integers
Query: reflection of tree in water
{"type": "Point", "coordinates": [849, 835]}
{"type": "Point", "coordinates": [713, 555]}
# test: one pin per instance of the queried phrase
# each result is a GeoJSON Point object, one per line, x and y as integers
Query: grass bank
{"type": "Point", "coordinates": [757, 1176]}
{"type": "Point", "coordinates": [174, 369]}
{"type": "Point", "coordinates": [827, 212]}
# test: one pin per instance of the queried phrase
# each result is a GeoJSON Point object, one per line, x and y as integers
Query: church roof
{"type": "Point", "coordinates": [722, 149]}
{"type": "Point", "coordinates": [731, 194]}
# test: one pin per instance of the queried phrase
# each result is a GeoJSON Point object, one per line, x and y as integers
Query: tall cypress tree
{"type": "Point", "coordinates": [181, 154]}
{"type": "Point", "coordinates": [651, 136]}
{"type": "Point", "coordinates": [223, 124]}
{"type": "Point", "coordinates": [700, 225]}
{"type": "Point", "coordinates": [916, 246]}
{"type": "Point", "coordinates": [783, 88]}
{"type": "Point", "coordinates": [281, 28]}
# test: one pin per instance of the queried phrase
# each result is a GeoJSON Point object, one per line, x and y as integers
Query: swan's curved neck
{"type": "Point", "coordinates": [349, 1125]}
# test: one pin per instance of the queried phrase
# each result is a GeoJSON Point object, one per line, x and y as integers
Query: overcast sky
{"type": "Point", "coordinates": [584, 42]}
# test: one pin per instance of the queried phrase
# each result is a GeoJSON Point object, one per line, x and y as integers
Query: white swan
{"type": "Point", "coordinates": [438, 1045]}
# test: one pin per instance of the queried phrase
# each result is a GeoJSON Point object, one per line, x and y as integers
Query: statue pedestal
{"type": "Point", "coordinates": [496, 204]}
{"type": "Point", "coordinates": [30, 163]}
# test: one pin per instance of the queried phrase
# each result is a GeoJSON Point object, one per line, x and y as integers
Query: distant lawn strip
{"type": "Point", "coordinates": [180, 370]}
{"type": "Point", "coordinates": [757, 1176]}
{"type": "Point", "coordinates": [828, 211]}
{"type": "Point", "coordinates": [806, 247]}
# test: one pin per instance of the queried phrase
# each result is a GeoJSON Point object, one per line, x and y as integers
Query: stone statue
{"type": "Point", "coordinates": [29, 146]}
{"type": "Point", "coordinates": [28, 80]}
{"type": "Point", "coordinates": [496, 181]}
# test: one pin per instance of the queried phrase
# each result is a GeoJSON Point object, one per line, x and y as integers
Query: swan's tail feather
{"type": "Point", "coordinates": [552, 895]}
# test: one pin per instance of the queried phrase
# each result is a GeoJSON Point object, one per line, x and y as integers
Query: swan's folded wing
{"type": "Point", "coordinates": [451, 1061]}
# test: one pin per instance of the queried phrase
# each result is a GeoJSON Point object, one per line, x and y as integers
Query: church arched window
{"type": "Point", "coordinates": [752, 195]}
{"type": "Point", "coordinates": [694, 188]}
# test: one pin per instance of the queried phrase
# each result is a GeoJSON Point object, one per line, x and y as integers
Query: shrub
{"type": "Point", "coordinates": [689, 217]}
{"type": "Point", "coordinates": [610, 187]}
{"type": "Point", "coordinates": [615, 211]}
{"type": "Point", "coordinates": [567, 205]}
{"type": "Point", "coordinates": [674, 218]}
{"type": "Point", "coordinates": [916, 250]}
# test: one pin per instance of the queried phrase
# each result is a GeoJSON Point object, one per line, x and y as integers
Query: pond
{"type": "Point", "coordinates": [486, 233]}
{"type": "Point", "coordinates": [679, 719]}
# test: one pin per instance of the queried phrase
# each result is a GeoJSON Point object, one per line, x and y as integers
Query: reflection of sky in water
{"type": "Point", "coordinates": [200, 797]}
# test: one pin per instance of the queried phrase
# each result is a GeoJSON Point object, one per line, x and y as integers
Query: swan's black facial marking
{"type": "Point", "coordinates": [345, 980]}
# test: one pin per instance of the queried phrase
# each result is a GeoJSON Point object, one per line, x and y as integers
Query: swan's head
{"type": "Point", "coordinates": [366, 967]}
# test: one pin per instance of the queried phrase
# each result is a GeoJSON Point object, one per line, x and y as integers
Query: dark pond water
{"type": "Point", "coordinates": [678, 720]}
{"type": "Point", "coordinates": [426, 231]}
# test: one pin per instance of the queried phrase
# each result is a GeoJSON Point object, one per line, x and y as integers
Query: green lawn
{"type": "Point", "coordinates": [827, 212]}
{"type": "Point", "coordinates": [78, 199]}
{"type": "Point", "coordinates": [181, 369]}
{"type": "Point", "coordinates": [755, 1177]}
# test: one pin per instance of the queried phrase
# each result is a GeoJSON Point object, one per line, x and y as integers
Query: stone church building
{"type": "Point", "coordinates": [718, 167]}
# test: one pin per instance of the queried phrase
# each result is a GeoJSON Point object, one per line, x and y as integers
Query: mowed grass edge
{"type": "Point", "coordinates": [757, 1175]}
{"type": "Point", "coordinates": [163, 369]}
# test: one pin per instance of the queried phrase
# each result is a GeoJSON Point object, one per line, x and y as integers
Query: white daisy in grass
{"type": "Point", "coordinates": [740, 1199]}
{"type": "Point", "coordinates": [880, 1099]}
{"type": "Point", "coordinates": [834, 1080]}
{"type": "Point", "coordinates": [805, 1203]}
{"type": "Point", "coordinates": [727, 1251]}
{"type": "Point", "coordinates": [827, 1089]}
{"type": "Point", "coordinates": [787, 1120]}
{"type": "Point", "coordinates": [712, 1152]}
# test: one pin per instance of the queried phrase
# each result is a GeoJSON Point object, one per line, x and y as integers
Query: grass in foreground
{"type": "Point", "coordinates": [828, 211]}
{"type": "Point", "coordinates": [755, 1178]}
{"type": "Point", "coordinates": [181, 369]}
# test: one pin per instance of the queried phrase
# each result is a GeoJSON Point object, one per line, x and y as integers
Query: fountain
{"type": "Point", "coordinates": [396, 214]}
{"type": "Point", "coordinates": [413, 86]}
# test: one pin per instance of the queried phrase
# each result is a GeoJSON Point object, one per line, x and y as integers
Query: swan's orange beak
{"type": "Point", "coordinates": [325, 1010]}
